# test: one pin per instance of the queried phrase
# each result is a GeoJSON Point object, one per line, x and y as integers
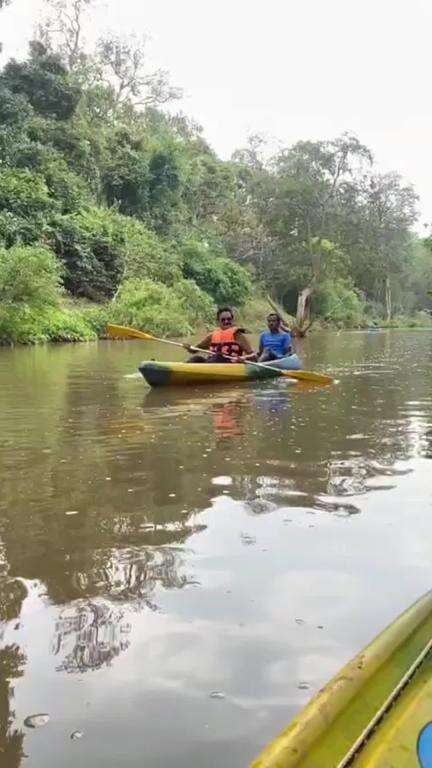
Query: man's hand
{"type": "Point", "coordinates": [250, 358]}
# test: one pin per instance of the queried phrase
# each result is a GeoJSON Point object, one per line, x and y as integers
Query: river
{"type": "Point", "coordinates": [180, 571]}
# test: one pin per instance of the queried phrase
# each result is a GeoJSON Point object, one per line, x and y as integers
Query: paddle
{"type": "Point", "coordinates": [120, 331]}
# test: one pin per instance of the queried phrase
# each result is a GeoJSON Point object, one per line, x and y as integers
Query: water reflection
{"type": "Point", "coordinates": [89, 635]}
{"type": "Point", "coordinates": [226, 419]}
{"type": "Point", "coordinates": [12, 662]}
{"type": "Point", "coordinates": [205, 523]}
{"type": "Point", "coordinates": [133, 574]}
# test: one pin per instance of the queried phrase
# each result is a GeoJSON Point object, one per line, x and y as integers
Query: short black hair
{"type": "Point", "coordinates": [276, 315]}
{"type": "Point", "coordinates": [224, 309]}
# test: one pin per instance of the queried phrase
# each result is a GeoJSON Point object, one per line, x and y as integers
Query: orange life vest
{"type": "Point", "coordinates": [223, 342]}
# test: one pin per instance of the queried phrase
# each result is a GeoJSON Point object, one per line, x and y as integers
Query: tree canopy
{"type": "Point", "coordinates": [96, 173]}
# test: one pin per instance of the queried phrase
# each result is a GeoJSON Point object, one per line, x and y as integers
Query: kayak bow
{"type": "Point", "coordinates": [375, 713]}
{"type": "Point", "coordinates": [163, 374]}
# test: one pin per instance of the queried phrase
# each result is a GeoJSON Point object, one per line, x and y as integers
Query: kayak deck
{"type": "Point", "coordinates": [162, 374]}
{"type": "Point", "coordinates": [375, 713]}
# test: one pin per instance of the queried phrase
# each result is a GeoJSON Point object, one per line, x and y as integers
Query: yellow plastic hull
{"type": "Point", "coordinates": [375, 713]}
{"type": "Point", "coordinates": [181, 374]}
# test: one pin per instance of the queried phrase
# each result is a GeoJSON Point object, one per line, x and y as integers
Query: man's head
{"type": "Point", "coordinates": [273, 321]}
{"type": "Point", "coordinates": [225, 317]}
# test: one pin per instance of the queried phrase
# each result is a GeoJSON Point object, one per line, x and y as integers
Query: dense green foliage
{"type": "Point", "coordinates": [106, 198]}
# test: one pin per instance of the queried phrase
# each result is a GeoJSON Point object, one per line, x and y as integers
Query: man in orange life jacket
{"type": "Point", "coordinates": [225, 342]}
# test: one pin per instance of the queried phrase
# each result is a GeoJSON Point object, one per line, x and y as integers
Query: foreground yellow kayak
{"type": "Point", "coordinates": [162, 374]}
{"type": "Point", "coordinates": [376, 713]}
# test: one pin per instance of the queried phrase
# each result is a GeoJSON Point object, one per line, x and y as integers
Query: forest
{"type": "Point", "coordinates": [114, 207]}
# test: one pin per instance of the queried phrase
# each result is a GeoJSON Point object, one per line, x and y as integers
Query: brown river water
{"type": "Point", "coordinates": [180, 571]}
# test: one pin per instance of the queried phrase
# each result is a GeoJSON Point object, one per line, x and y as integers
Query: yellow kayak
{"type": "Point", "coordinates": [376, 713]}
{"type": "Point", "coordinates": [162, 374]}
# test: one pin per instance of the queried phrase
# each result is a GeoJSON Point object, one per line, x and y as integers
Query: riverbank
{"type": "Point", "coordinates": [80, 320]}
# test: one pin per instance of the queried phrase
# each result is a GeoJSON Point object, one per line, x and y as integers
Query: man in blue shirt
{"type": "Point", "coordinates": [274, 343]}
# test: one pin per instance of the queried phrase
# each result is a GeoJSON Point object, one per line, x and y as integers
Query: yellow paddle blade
{"type": "Point", "coordinates": [317, 378]}
{"type": "Point", "coordinates": [120, 331]}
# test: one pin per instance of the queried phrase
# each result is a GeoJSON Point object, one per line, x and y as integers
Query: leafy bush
{"type": "Point", "coordinates": [147, 255]}
{"type": "Point", "coordinates": [198, 305]}
{"type": "Point", "coordinates": [34, 325]}
{"type": "Point", "coordinates": [14, 108]}
{"type": "Point", "coordinates": [30, 276]}
{"type": "Point", "coordinates": [24, 193]}
{"type": "Point", "coordinates": [126, 181]}
{"type": "Point", "coordinates": [25, 203]}
{"type": "Point", "coordinates": [159, 309]}
{"type": "Point", "coordinates": [338, 302]}
{"type": "Point", "coordinates": [164, 186]}
{"type": "Point", "coordinates": [66, 325]}
{"type": "Point", "coordinates": [96, 318]}
{"type": "Point", "coordinates": [91, 243]}
{"type": "Point", "coordinates": [15, 229]}
{"type": "Point", "coordinates": [66, 187]}
{"type": "Point", "coordinates": [45, 81]}
{"type": "Point", "coordinates": [226, 281]}
{"type": "Point", "coordinates": [100, 246]}
{"type": "Point", "coordinates": [417, 320]}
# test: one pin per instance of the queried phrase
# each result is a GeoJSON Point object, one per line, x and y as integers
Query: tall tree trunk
{"type": "Point", "coordinates": [388, 298]}
{"type": "Point", "coordinates": [304, 306]}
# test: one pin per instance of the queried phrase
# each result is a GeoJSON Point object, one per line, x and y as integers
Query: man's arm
{"type": "Point", "coordinates": [243, 343]}
{"type": "Point", "coordinates": [261, 345]}
{"type": "Point", "coordinates": [204, 344]}
{"type": "Point", "coordinates": [288, 344]}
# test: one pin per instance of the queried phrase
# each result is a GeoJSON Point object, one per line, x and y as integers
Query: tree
{"type": "Point", "coordinates": [3, 4]}
{"type": "Point", "coordinates": [44, 81]}
{"type": "Point", "coordinates": [390, 209]}
{"type": "Point", "coordinates": [310, 178]}
{"type": "Point", "coordinates": [62, 30]}
{"type": "Point", "coordinates": [119, 64]}
{"type": "Point", "coordinates": [123, 65]}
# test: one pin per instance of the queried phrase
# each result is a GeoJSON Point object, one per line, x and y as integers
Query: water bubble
{"type": "Point", "coordinates": [36, 721]}
{"type": "Point", "coordinates": [222, 480]}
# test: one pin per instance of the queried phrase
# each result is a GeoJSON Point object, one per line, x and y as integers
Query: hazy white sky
{"type": "Point", "coordinates": [294, 69]}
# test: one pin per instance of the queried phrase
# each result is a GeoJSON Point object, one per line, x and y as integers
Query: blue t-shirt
{"type": "Point", "coordinates": [279, 343]}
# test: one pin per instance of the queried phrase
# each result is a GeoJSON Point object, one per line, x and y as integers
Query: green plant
{"type": "Point", "coordinates": [91, 244]}
{"type": "Point", "coordinates": [35, 325]}
{"type": "Point", "coordinates": [338, 302]}
{"type": "Point", "coordinates": [147, 255]}
{"type": "Point", "coordinates": [226, 281]}
{"type": "Point", "coordinates": [30, 276]}
{"type": "Point", "coordinates": [159, 309]}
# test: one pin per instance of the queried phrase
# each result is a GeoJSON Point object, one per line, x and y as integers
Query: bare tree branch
{"type": "Point", "coordinates": [123, 64]}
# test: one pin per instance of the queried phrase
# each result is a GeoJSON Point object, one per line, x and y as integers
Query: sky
{"type": "Point", "coordinates": [291, 69]}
